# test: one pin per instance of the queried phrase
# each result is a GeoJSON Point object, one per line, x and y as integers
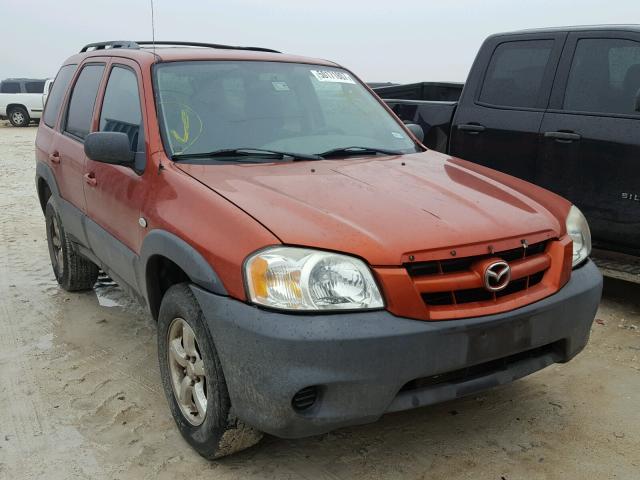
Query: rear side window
{"type": "Point", "coordinates": [56, 94]}
{"type": "Point", "coordinates": [83, 99]}
{"type": "Point", "coordinates": [121, 108]}
{"type": "Point", "coordinates": [516, 72]}
{"type": "Point", "coordinates": [604, 77]}
{"type": "Point", "coordinates": [34, 87]}
{"type": "Point", "coordinates": [10, 87]}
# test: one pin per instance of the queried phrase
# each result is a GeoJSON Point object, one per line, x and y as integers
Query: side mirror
{"type": "Point", "coordinates": [416, 130]}
{"type": "Point", "coordinates": [109, 147]}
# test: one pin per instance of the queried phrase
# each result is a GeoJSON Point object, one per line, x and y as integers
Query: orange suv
{"type": "Point", "coordinates": [310, 264]}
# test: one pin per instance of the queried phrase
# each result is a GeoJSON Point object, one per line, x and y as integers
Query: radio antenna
{"type": "Point", "coordinates": [153, 29]}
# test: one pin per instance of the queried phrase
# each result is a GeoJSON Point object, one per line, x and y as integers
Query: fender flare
{"type": "Point", "coordinates": [44, 172]}
{"type": "Point", "coordinates": [166, 244]}
{"type": "Point", "coordinates": [17, 105]}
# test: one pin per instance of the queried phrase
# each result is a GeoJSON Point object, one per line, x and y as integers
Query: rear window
{"type": "Point", "coordinates": [34, 87]}
{"type": "Point", "coordinates": [10, 87]}
{"type": "Point", "coordinates": [56, 94]}
{"type": "Point", "coordinates": [515, 74]}
{"type": "Point", "coordinates": [83, 99]}
{"type": "Point", "coordinates": [605, 77]}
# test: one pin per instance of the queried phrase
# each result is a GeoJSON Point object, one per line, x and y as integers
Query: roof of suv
{"type": "Point", "coordinates": [163, 53]}
{"type": "Point", "coordinates": [576, 28]}
{"type": "Point", "coordinates": [24, 80]}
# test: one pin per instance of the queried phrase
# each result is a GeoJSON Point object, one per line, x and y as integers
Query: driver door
{"type": "Point", "coordinates": [114, 193]}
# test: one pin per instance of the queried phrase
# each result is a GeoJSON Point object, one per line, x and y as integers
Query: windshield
{"type": "Point", "coordinates": [218, 105]}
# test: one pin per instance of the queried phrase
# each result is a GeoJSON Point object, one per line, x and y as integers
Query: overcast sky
{"type": "Point", "coordinates": [394, 40]}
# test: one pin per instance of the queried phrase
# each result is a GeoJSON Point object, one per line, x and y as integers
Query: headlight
{"type": "Point", "coordinates": [303, 279]}
{"type": "Point", "coordinates": [578, 230]}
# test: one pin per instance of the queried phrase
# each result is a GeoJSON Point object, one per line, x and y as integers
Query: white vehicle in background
{"type": "Point", "coordinates": [22, 99]}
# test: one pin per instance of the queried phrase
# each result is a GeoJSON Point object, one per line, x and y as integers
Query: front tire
{"type": "Point", "coordinates": [193, 380]}
{"type": "Point", "coordinates": [19, 117]}
{"type": "Point", "coordinates": [73, 271]}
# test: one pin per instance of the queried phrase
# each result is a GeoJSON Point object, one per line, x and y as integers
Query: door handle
{"type": "Point", "coordinates": [54, 157]}
{"type": "Point", "coordinates": [472, 128]}
{"type": "Point", "coordinates": [563, 137]}
{"type": "Point", "coordinates": [90, 179]}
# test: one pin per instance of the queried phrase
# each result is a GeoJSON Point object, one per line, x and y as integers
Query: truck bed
{"type": "Point", "coordinates": [426, 91]}
{"type": "Point", "coordinates": [434, 118]}
{"type": "Point", "coordinates": [429, 104]}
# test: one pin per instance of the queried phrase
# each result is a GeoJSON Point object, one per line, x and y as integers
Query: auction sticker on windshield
{"type": "Point", "coordinates": [332, 76]}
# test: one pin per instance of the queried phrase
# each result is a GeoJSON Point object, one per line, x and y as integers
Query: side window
{"type": "Point", "coordinates": [121, 107]}
{"type": "Point", "coordinates": [10, 87]}
{"type": "Point", "coordinates": [56, 94]}
{"type": "Point", "coordinates": [604, 76]}
{"type": "Point", "coordinates": [34, 87]}
{"type": "Point", "coordinates": [515, 74]}
{"type": "Point", "coordinates": [83, 99]}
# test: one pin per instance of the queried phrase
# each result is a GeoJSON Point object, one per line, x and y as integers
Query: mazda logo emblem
{"type": "Point", "coordinates": [497, 276]}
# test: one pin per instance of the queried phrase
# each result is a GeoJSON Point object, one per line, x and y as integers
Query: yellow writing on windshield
{"type": "Point", "coordinates": [184, 138]}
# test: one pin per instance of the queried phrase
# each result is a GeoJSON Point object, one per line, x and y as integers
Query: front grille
{"type": "Point", "coordinates": [529, 265]}
{"type": "Point", "coordinates": [459, 264]}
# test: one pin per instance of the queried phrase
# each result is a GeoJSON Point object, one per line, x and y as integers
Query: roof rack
{"type": "Point", "coordinates": [206, 45]}
{"type": "Point", "coordinates": [110, 44]}
{"type": "Point", "coordinates": [136, 45]}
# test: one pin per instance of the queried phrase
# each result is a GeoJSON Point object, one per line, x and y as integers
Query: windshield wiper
{"type": "Point", "coordinates": [247, 152]}
{"type": "Point", "coordinates": [348, 151]}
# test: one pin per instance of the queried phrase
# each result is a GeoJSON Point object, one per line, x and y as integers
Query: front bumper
{"type": "Point", "coordinates": [367, 364]}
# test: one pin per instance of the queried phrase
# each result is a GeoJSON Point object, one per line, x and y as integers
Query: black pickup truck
{"type": "Point", "coordinates": [558, 107]}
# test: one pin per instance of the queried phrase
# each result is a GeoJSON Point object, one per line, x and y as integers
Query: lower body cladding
{"type": "Point", "coordinates": [298, 375]}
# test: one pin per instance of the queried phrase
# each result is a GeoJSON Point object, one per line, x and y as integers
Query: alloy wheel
{"type": "Point", "coordinates": [18, 117]}
{"type": "Point", "coordinates": [56, 244]}
{"type": "Point", "coordinates": [188, 377]}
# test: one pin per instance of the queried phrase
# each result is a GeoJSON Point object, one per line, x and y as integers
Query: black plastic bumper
{"type": "Point", "coordinates": [366, 364]}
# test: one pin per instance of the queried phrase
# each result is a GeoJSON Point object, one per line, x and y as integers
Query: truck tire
{"type": "Point", "coordinates": [193, 381]}
{"type": "Point", "coordinates": [19, 117]}
{"type": "Point", "coordinates": [73, 271]}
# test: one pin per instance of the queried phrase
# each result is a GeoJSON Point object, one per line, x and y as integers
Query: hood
{"type": "Point", "coordinates": [385, 209]}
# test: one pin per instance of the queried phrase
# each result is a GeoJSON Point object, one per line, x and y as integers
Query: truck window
{"type": "Point", "coordinates": [121, 107]}
{"type": "Point", "coordinates": [604, 76]}
{"type": "Point", "coordinates": [56, 94]}
{"type": "Point", "coordinates": [515, 74]}
{"type": "Point", "coordinates": [83, 99]}
{"type": "Point", "coordinates": [34, 87]}
{"type": "Point", "coordinates": [10, 87]}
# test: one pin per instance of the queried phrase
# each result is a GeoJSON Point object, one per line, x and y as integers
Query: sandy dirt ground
{"type": "Point", "coordinates": [80, 393]}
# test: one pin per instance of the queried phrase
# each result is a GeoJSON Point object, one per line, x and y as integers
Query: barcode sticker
{"type": "Point", "coordinates": [332, 76]}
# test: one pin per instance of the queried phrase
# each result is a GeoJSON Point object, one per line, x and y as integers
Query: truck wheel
{"type": "Point", "coordinates": [73, 271]}
{"type": "Point", "coordinates": [19, 117]}
{"type": "Point", "coordinates": [193, 380]}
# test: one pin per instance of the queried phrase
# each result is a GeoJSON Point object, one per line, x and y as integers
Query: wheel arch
{"type": "Point", "coordinates": [46, 185]}
{"type": "Point", "coordinates": [11, 106]}
{"type": "Point", "coordinates": [166, 259]}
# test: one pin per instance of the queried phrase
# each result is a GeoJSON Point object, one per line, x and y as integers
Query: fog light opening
{"type": "Point", "coordinates": [304, 399]}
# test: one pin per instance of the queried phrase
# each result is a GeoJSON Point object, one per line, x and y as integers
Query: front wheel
{"type": "Point", "coordinates": [193, 381]}
{"type": "Point", "coordinates": [19, 117]}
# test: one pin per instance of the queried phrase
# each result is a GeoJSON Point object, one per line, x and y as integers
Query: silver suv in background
{"type": "Point", "coordinates": [22, 99]}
